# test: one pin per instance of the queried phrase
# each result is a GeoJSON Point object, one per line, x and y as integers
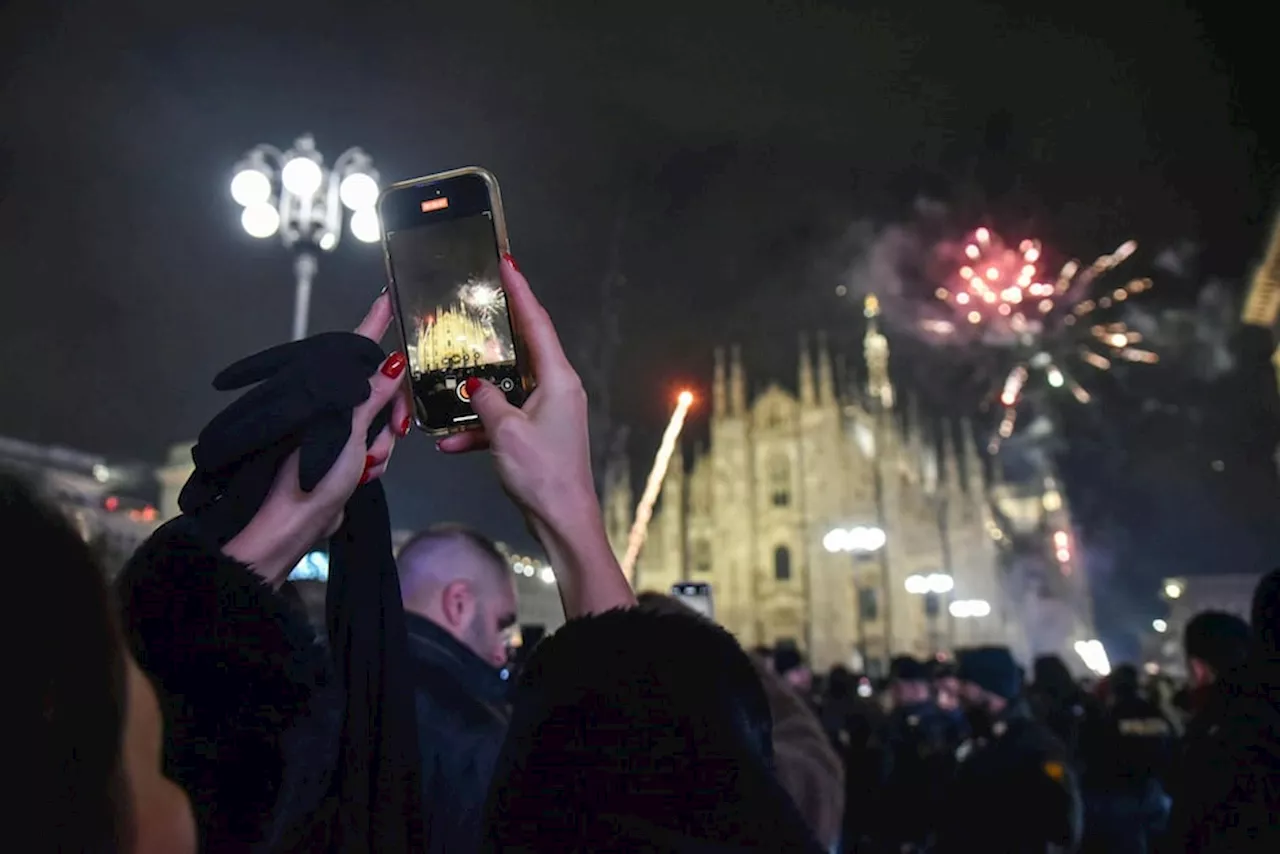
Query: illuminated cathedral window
{"type": "Point", "coordinates": [782, 563]}
{"type": "Point", "coordinates": [868, 604]}
{"type": "Point", "coordinates": [779, 481]}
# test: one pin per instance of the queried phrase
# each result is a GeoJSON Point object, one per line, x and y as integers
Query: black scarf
{"type": "Point", "coordinates": [302, 399]}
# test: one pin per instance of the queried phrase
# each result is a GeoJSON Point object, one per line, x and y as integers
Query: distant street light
{"type": "Point", "coordinates": [1160, 625]}
{"type": "Point", "coordinates": [295, 194]}
{"type": "Point", "coordinates": [859, 540]}
{"type": "Point", "coordinates": [1173, 589]}
{"type": "Point", "coordinates": [934, 582]}
{"type": "Point", "coordinates": [963, 609]}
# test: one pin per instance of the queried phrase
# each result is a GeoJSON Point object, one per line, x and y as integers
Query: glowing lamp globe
{"type": "Point", "coordinates": [685, 398]}
{"type": "Point", "coordinates": [251, 187]}
{"type": "Point", "coordinates": [358, 191]}
{"type": "Point", "coordinates": [301, 176]}
{"type": "Point", "coordinates": [260, 220]}
{"type": "Point", "coordinates": [365, 227]}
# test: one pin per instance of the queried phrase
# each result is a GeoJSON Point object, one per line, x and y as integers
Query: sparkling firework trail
{"type": "Point", "coordinates": [1069, 336]}
{"type": "Point", "coordinates": [653, 486]}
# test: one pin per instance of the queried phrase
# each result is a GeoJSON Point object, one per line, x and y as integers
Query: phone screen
{"type": "Point", "coordinates": [443, 254]}
{"type": "Point", "coordinates": [696, 596]}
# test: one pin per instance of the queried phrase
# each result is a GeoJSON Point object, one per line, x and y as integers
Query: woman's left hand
{"type": "Point", "coordinates": [291, 520]}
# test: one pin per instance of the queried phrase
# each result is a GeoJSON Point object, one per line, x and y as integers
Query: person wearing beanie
{"type": "Point", "coordinates": [920, 742]}
{"type": "Point", "coordinates": [1228, 783]}
{"type": "Point", "coordinates": [1014, 789]}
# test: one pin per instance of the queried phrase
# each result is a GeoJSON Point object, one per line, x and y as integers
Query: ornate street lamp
{"type": "Point", "coordinates": [296, 195]}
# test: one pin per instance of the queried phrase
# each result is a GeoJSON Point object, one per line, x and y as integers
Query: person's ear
{"type": "Point", "coordinates": [1201, 673]}
{"type": "Point", "coordinates": [456, 603]}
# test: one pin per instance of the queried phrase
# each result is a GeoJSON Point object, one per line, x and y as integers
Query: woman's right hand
{"type": "Point", "coordinates": [543, 458]}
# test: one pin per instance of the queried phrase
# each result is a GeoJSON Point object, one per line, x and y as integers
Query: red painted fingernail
{"type": "Point", "coordinates": [393, 367]}
{"type": "Point", "coordinates": [364, 477]}
{"type": "Point", "coordinates": [405, 425]}
{"type": "Point", "coordinates": [473, 385]}
{"type": "Point", "coordinates": [512, 261]}
{"type": "Point", "coordinates": [370, 461]}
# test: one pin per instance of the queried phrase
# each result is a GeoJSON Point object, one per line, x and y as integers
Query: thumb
{"type": "Point", "coordinates": [489, 403]}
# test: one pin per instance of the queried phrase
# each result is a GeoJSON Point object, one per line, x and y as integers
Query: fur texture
{"type": "Point", "coordinates": [251, 716]}
{"type": "Point", "coordinates": [634, 730]}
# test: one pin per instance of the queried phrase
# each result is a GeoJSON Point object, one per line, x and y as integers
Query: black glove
{"type": "Point", "coordinates": [302, 401]}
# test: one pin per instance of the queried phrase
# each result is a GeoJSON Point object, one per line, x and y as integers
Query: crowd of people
{"type": "Point", "coordinates": [192, 706]}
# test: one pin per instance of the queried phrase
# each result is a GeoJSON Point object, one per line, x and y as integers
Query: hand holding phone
{"type": "Point", "coordinates": [444, 237]}
{"type": "Point", "coordinates": [542, 454]}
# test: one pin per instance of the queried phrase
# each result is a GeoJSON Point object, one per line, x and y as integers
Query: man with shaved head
{"type": "Point", "coordinates": [460, 605]}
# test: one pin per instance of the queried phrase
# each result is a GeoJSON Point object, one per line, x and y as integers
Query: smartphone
{"type": "Point", "coordinates": [697, 596]}
{"type": "Point", "coordinates": [443, 237]}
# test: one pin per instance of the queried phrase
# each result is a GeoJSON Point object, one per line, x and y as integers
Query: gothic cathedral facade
{"type": "Point", "coordinates": [752, 515]}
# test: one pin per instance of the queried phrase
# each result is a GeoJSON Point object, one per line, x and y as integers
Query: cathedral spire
{"type": "Point", "coordinates": [737, 383]}
{"type": "Point", "coordinates": [876, 348]}
{"type": "Point", "coordinates": [826, 378]}
{"type": "Point", "coordinates": [807, 395]}
{"type": "Point", "coordinates": [717, 386]}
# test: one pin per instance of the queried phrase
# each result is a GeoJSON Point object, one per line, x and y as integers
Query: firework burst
{"type": "Point", "coordinates": [482, 297]}
{"type": "Point", "coordinates": [1050, 327]}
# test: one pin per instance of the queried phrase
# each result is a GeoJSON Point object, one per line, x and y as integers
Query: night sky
{"type": "Point", "coordinates": [717, 159]}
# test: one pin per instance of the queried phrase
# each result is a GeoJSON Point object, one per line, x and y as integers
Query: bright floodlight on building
{"type": "Point", "coordinates": [251, 187]}
{"type": "Point", "coordinates": [917, 585]}
{"type": "Point", "coordinates": [858, 540]}
{"type": "Point", "coordinates": [1160, 625]}
{"type": "Point", "coordinates": [358, 191]}
{"type": "Point", "coordinates": [964, 609]}
{"type": "Point", "coordinates": [940, 582]}
{"type": "Point", "coordinates": [1173, 589]}
{"type": "Point", "coordinates": [297, 195]}
{"type": "Point", "coordinates": [302, 176]}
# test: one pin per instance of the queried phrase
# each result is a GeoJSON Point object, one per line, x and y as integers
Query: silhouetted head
{"type": "Point", "coordinates": [86, 761]}
{"type": "Point", "coordinates": [908, 681]}
{"type": "Point", "coordinates": [989, 677]}
{"type": "Point", "coordinates": [1215, 643]}
{"type": "Point", "coordinates": [1123, 682]}
{"type": "Point", "coordinates": [639, 729]}
{"type": "Point", "coordinates": [1053, 678]}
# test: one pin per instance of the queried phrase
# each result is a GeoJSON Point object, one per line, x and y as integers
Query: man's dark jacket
{"type": "Point", "coordinates": [1228, 795]}
{"type": "Point", "coordinates": [462, 721]}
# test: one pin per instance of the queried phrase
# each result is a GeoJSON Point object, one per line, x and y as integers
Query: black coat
{"type": "Point", "coordinates": [1228, 795]}
{"type": "Point", "coordinates": [250, 710]}
{"type": "Point", "coordinates": [1014, 792]}
{"type": "Point", "coordinates": [462, 720]}
{"type": "Point", "coordinates": [1126, 755]}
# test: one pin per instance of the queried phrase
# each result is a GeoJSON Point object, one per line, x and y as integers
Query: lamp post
{"type": "Point", "coordinates": [296, 195]}
{"type": "Point", "coordinates": [931, 586]}
{"type": "Point", "coordinates": [860, 542]}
